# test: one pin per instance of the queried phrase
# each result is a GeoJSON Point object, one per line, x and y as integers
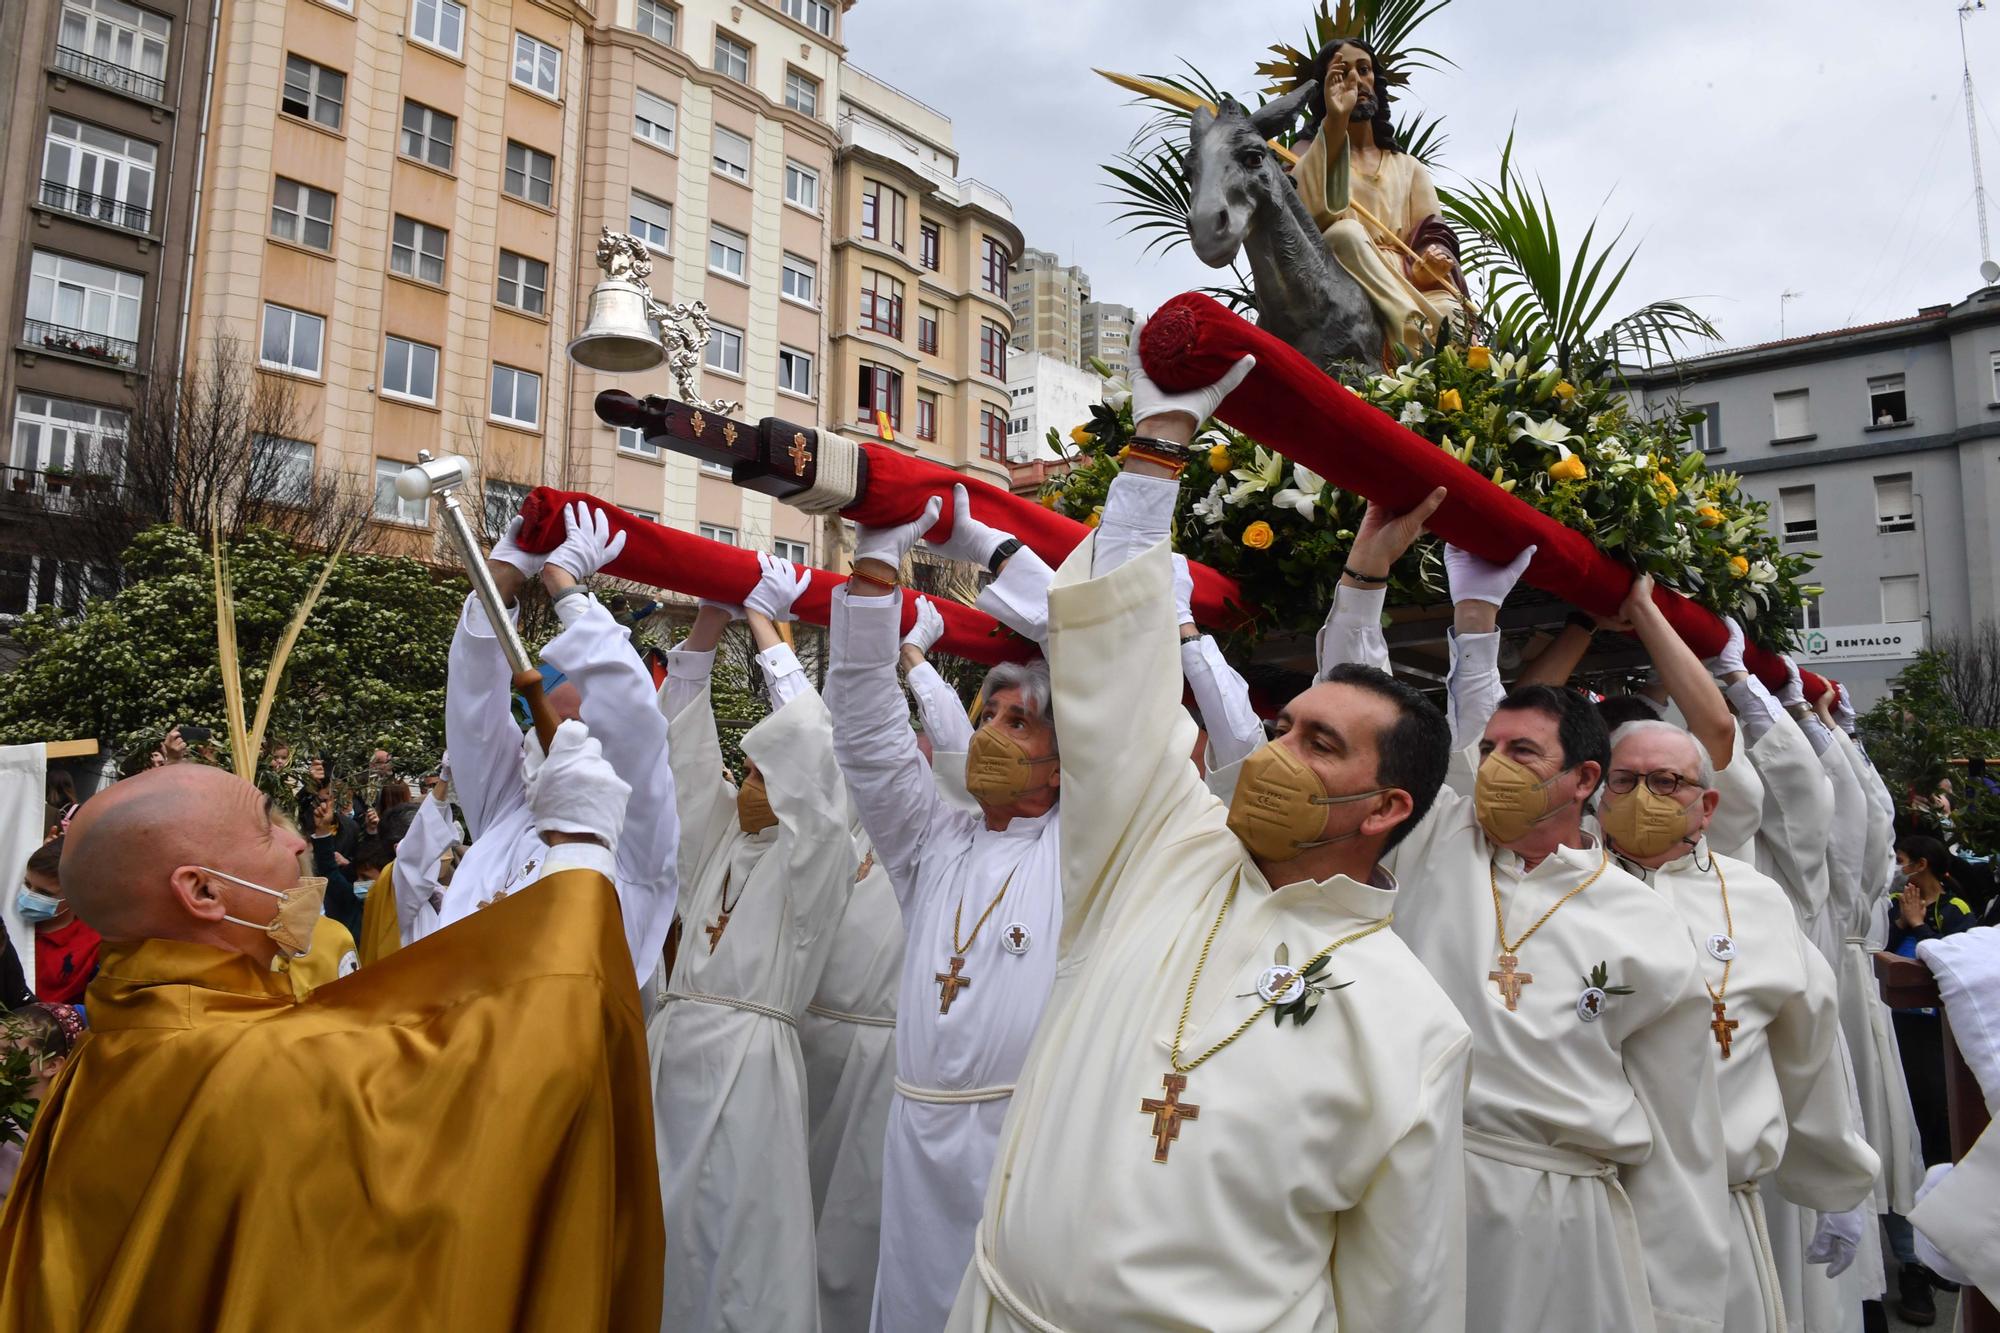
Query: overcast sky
{"type": "Point", "coordinates": [1754, 148]}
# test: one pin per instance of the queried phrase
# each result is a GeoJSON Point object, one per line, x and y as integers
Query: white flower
{"type": "Point", "coordinates": [1508, 366]}
{"type": "Point", "coordinates": [1303, 493]}
{"type": "Point", "coordinates": [1414, 413]}
{"type": "Point", "coordinates": [1549, 431]}
{"type": "Point", "coordinates": [1209, 509]}
{"type": "Point", "coordinates": [1763, 571]}
{"type": "Point", "coordinates": [1117, 392]}
{"type": "Point", "coordinates": [1266, 473]}
{"type": "Point", "coordinates": [1401, 382]}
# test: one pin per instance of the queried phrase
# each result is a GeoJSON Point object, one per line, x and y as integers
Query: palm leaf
{"type": "Point", "coordinates": [282, 653]}
{"type": "Point", "coordinates": [241, 757]}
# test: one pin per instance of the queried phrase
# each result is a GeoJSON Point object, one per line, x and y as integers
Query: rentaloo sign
{"type": "Point", "coordinates": [1862, 643]}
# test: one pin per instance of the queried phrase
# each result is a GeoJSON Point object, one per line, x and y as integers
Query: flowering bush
{"type": "Point", "coordinates": [1575, 451]}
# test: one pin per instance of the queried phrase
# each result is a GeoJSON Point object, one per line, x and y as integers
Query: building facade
{"type": "Point", "coordinates": [1876, 448]}
{"type": "Point", "coordinates": [1048, 299]}
{"type": "Point", "coordinates": [1107, 335]}
{"type": "Point", "coordinates": [1046, 394]}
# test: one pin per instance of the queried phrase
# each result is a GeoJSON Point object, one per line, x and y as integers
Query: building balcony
{"type": "Point", "coordinates": [55, 491]}
{"type": "Point", "coordinates": [107, 74]}
{"type": "Point", "coordinates": [95, 207]}
{"type": "Point", "coordinates": [81, 342]}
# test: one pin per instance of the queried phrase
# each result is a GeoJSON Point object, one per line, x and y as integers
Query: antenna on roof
{"type": "Point", "coordinates": [1784, 299]}
{"type": "Point", "coordinates": [1987, 269]}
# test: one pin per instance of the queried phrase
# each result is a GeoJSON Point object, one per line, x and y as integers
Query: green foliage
{"type": "Point", "coordinates": [1920, 736]}
{"type": "Point", "coordinates": [368, 670]}
{"type": "Point", "coordinates": [22, 1065]}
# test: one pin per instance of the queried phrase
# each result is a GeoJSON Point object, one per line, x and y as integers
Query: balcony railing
{"type": "Point", "coordinates": [107, 74]}
{"type": "Point", "coordinates": [96, 207]}
{"type": "Point", "coordinates": [55, 491]}
{"type": "Point", "coordinates": [81, 342]}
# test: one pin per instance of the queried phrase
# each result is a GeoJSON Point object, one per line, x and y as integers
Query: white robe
{"type": "Point", "coordinates": [1595, 1189]}
{"type": "Point", "coordinates": [507, 853]}
{"type": "Point", "coordinates": [954, 1070]}
{"type": "Point", "coordinates": [419, 858]}
{"type": "Point", "coordinates": [729, 1081]}
{"type": "Point", "coordinates": [1317, 1188]}
{"type": "Point", "coordinates": [1793, 836]}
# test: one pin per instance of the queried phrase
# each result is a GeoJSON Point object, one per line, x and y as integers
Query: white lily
{"type": "Point", "coordinates": [1401, 382]}
{"type": "Point", "coordinates": [1548, 431]}
{"type": "Point", "coordinates": [1414, 413]}
{"type": "Point", "coordinates": [1763, 571]}
{"type": "Point", "coordinates": [1210, 508]}
{"type": "Point", "coordinates": [1509, 366]}
{"type": "Point", "coordinates": [1265, 473]}
{"type": "Point", "coordinates": [1117, 392]}
{"type": "Point", "coordinates": [1303, 493]}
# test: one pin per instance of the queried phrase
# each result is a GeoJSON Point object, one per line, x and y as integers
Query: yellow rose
{"type": "Point", "coordinates": [1080, 435]}
{"type": "Point", "coordinates": [1710, 516]}
{"type": "Point", "coordinates": [1096, 517]}
{"type": "Point", "coordinates": [1049, 499]}
{"type": "Point", "coordinates": [1666, 485]}
{"type": "Point", "coordinates": [1568, 469]}
{"type": "Point", "coordinates": [1738, 566]}
{"type": "Point", "coordinates": [1258, 536]}
{"type": "Point", "coordinates": [1449, 401]}
{"type": "Point", "coordinates": [1565, 390]}
{"type": "Point", "coordinates": [1218, 458]}
{"type": "Point", "coordinates": [1478, 358]}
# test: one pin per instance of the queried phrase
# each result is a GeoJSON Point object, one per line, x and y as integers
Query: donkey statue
{"type": "Point", "coordinates": [1239, 197]}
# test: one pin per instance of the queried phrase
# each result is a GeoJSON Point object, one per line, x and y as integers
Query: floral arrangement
{"type": "Point", "coordinates": [1575, 451]}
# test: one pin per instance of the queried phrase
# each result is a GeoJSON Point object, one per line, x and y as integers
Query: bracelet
{"type": "Point", "coordinates": [1359, 577]}
{"type": "Point", "coordinates": [854, 575]}
{"type": "Point", "coordinates": [1174, 465]}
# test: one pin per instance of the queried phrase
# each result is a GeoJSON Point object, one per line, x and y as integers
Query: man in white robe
{"type": "Point", "coordinates": [1224, 1171]}
{"type": "Point", "coordinates": [418, 877]}
{"type": "Point", "coordinates": [766, 868]}
{"type": "Point", "coordinates": [1595, 1189]}
{"type": "Point", "coordinates": [608, 688]}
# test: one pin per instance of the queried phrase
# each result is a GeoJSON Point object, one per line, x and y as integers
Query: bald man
{"type": "Point", "coordinates": [475, 1106]}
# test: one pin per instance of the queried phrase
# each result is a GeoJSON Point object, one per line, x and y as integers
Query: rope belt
{"type": "Point", "coordinates": [842, 1016]}
{"type": "Point", "coordinates": [836, 478]}
{"type": "Point", "coordinates": [1002, 1294]}
{"type": "Point", "coordinates": [953, 1096]}
{"type": "Point", "coordinates": [1861, 940]}
{"type": "Point", "coordinates": [1536, 1156]}
{"type": "Point", "coordinates": [1750, 1208]}
{"type": "Point", "coordinates": [728, 1002]}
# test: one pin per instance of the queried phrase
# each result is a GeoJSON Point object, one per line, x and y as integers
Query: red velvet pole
{"type": "Point", "coordinates": [1293, 406]}
{"type": "Point", "coordinates": [697, 567]}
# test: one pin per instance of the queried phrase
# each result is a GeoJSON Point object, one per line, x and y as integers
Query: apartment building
{"type": "Point", "coordinates": [1106, 335]}
{"type": "Point", "coordinates": [1048, 297]}
{"type": "Point", "coordinates": [1875, 447]}
{"type": "Point", "coordinates": [1046, 394]}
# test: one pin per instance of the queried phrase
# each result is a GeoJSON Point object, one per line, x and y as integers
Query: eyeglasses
{"type": "Point", "coordinates": [1661, 781]}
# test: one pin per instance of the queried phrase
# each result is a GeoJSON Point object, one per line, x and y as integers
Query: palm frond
{"type": "Point", "coordinates": [241, 757]}
{"type": "Point", "coordinates": [283, 652]}
{"type": "Point", "coordinates": [1422, 137]}
{"type": "Point", "coordinates": [1153, 192]}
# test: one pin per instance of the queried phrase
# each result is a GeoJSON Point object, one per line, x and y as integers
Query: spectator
{"type": "Point", "coordinates": [62, 801]}
{"type": "Point", "coordinates": [65, 947]}
{"type": "Point", "coordinates": [328, 827]}
{"type": "Point", "coordinates": [1932, 902]}
{"type": "Point", "coordinates": [48, 1031]}
{"type": "Point", "coordinates": [397, 809]}
{"type": "Point", "coordinates": [157, 759]}
{"type": "Point", "coordinates": [371, 858]}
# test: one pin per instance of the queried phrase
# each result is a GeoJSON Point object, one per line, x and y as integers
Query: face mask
{"type": "Point", "coordinates": [753, 806]}
{"type": "Point", "coordinates": [1643, 824]}
{"type": "Point", "coordinates": [1510, 800]}
{"type": "Point", "coordinates": [998, 771]}
{"type": "Point", "coordinates": [1278, 809]}
{"type": "Point", "coordinates": [35, 906]}
{"type": "Point", "coordinates": [298, 912]}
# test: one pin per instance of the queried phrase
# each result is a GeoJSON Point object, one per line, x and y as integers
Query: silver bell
{"type": "Point", "coordinates": [619, 336]}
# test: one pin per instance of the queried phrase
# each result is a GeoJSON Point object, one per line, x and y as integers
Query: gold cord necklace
{"type": "Point", "coordinates": [951, 982]}
{"type": "Point", "coordinates": [1722, 1025]}
{"type": "Point", "coordinates": [1506, 977]}
{"type": "Point", "coordinates": [714, 932]}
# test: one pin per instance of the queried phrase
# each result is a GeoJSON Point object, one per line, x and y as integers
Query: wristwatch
{"type": "Point", "coordinates": [1002, 553]}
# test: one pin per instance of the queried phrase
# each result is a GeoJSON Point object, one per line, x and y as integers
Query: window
{"type": "Point", "coordinates": [795, 372]}
{"type": "Point", "coordinates": [1017, 425]}
{"type": "Point", "coordinates": [409, 369]}
{"type": "Point", "coordinates": [523, 283]}
{"type": "Point", "coordinates": [927, 245]}
{"type": "Point", "coordinates": [801, 93]}
{"type": "Point", "coordinates": [652, 221]}
{"type": "Point", "coordinates": [653, 119]}
{"type": "Point", "coordinates": [313, 92]}
{"type": "Point", "coordinates": [994, 256]}
{"type": "Point", "coordinates": [439, 23]}
{"type": "Point", "coordinates": [1996, 377]}
{"type": "Point", "coordinates": [732, 155]}
{"type": "Point", "coordinates": [1791, 415]}
{"type": "Point", "coordinates": [1798, 507]}
{"type": "Point", "coordinates": [631, 440]}
{"type": "Point", "coordinates": [724, 351]}
{"type": "Point", "coordinates": [1887, 405]}
{"type": "Point", "coordinates": [281, 469]}
{"type": "Point", "coordinates": [881, 304]}
{"type": "Point", "coordinates": [115, 44]}
{"type": "Point", "coordinates": [92, 173]}
{"type": "Point", "coordinates": [1901, 599]}
{"type": "Point", "coordinates": [416, 250]}
{"type": "Point", "coordinates": [881, 213]}
{"type": "Point", "coordinates": [84, 308]}
{"type": "Point", "coordinates": [726, 251]}
{"type": "Point", "coordinates": [732, 58]}
{"type": "Point", "coordinates": [927, 408]}
{"type": "Point", "coordinates": [391, 507]}
{"type": "Point", "coordinates": [646, 514]}
{"type": "Point", "coordinates": [530, 175]}
{"type": "Point", "coordinates": [927, 329]}
{"type": "Point", "coordinates": [35, 582]}
{"type": "Point", "coordinates": [537, 65]}
{"type": "Point", "coordinates": [499, 503]}
{"type": "Point", "coordinates": [992, 349]}
{"type": "Point", "coordinates": [516, 396]}
{"type": "Point", "coordinates": [881, 391]}
{"type": "Point", "coordinates": [992, 435]}
{"type": "Point", "coordinates": [801, 280]}
{"type": "Point", "coordinates": [428, 135]}
{"type": "Point", "coordinates": [302, 215]}
{"type": "Point", "coordinates": [1895, 503]}
{"type": "Point", "coordinates": [57, 433]}
{"type": "Point", "coordinates": [1705, 435]}
{"type": "Point", "coordinates": [802, 186]}
{"type": "Point", "coordinates": [657, 21]}
{"type": "Point", "coordinates": [796, 552]}
{"type": "Point", "coordinates": [815, 14]}
{"type": "Point", "coordinates": [717, 533]}
{"type": "Point", "coordinates": [292, 340]}
{"type": "Point", "coordinates": [1808, 615]}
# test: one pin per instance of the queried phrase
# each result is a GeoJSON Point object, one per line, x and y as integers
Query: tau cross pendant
{"type": "Point", "coordinates": [1168, 1113]}
{"type": "Point", "coordinates": [950, 984]}
{"type": "Point", "coordinates": [1510, 981]}
{"type": "Point", "coordinates": [1722, 1027]}
{"type": "Point", "coordinates": [714, 932]}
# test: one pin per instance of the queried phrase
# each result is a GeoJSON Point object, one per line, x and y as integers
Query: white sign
{"type": "Point", "coordinates": [1862, 643]}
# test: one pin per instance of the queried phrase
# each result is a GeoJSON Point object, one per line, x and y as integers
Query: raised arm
{"type": "Point", "coordinates": [768, 604]}
{"type": "Point", "coordinates": [1220, 694]}
{"type": "Point", "coordinates": [1555, 664]}
{"type": "Point", "coordinates": [479, 727]}
{"type": "Point", "coordinates": [415, 871]}
{"type": "Point", "coordinates": [793, 749]}
{"type": "Point", "coordinates": [943, 712]}
{"type": "Point", "coordinates": [702, 794]}
{"type": "Point", "coordinates": [1688, 682]}
{"type": "Point", "coordinates": [1473, 689]}
{"type": "Point", "coordinates": [1353, 629]}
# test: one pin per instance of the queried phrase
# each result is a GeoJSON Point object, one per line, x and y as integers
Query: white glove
{"type": "Point", "coordinates": [735, 612]}
{"type": "Point", "coordinates": [971, 541]}
{"type": "Point", "coordinates": [1793, 693]}
{"type": "Point", "coordinates": [1183, 591]}
{"type": "Point", "coordinates": [890, 545]}
{"type": "Point", "coordinates": [1838, 1237]}
{"type": "Point", "coordinates": [573, 789]}
{"type": "Point", "coordinates": [589, 545]}
{"type": "Point", "coordinates": [777, 589]}
{"type": "Point", "coordinates": [1474, 580]}
{"type": "Point", "coordinates": [508, 551]}
{"type": "Point", "coordinates": [1843, 709]}
{"type": "Point", "coordinates": [923, 635]}
{"type": "Point", "coordinates": [1730, 660]}
{"type": "Point", "coordinates": [1150, 400]}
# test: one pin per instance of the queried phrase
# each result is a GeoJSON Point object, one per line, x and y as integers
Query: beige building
{"type": "Point", "coordinates": [1047, 297]}
{"type": "Point", "coordinates": [1107, 335]}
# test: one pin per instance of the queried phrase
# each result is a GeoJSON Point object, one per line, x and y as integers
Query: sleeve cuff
{"type": "Point", "coordinates": [1019, 597]}
{"type": "Point", "coordinates": [573, 605]}
{"type": "Point", "coordinates": [778, 660]}
{"type": "Point", "coordinates": [690, 665]}
{"type": "Point", "coordinates": [580, 856]}
{"type": "Point", "coordinates": [1476, 653]}
{"type": "Point", "coordinates": [473, 618]}
{"type": "Point", "coordinates": [1358, 604]}
{"type": "Point", "coordinates": [1143, 506]}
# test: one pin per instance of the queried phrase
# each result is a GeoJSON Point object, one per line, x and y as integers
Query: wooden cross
{"type": "Point", "coordinates": [714, 932]}
{"type": "Point", "coordinates": [1015, 935]}
{"type": "Point", "coordinates": [950, 984]}
{"type": "Point", "coordinates": [1510, 981]}
{"type": "Point", "coordinates": [1168, 1113]}
{"type": "Point", "coordinates": [1722, 1026]}
{"type": "Point", "coordinates": [799, 454]}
